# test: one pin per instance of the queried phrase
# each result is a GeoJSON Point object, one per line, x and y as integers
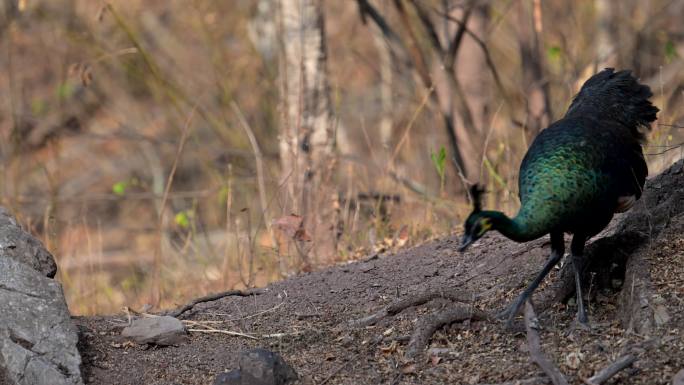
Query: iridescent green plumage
{"type": "Point", "coordinates": [578, 172]}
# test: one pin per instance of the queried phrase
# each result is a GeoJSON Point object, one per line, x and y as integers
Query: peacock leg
{"type": "Point", "coordinates": [577, 249]}
{"type": "Point", "coordinates": [557, 250]}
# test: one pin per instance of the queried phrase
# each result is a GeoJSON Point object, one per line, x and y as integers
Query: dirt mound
{"type": "Point", "coordinates": [634, 285]}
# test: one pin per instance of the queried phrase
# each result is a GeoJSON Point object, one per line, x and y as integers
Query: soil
{"type": "Point", "coordinates": [308, 319]}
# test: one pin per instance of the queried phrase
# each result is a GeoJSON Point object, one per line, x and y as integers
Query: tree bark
{"type": "Point", "coordinates": [476, 84]}
{"type": "Point", "coordinates": [535, 84]}
{"type": "Point", "coordinates": [307, 128]}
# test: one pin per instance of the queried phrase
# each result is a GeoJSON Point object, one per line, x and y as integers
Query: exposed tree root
{"type": "Point", "coordinates": [399, 306]}
{"type": "Point", "coordinates": [609, 371]}
{"type": "Point", "coordinates": [212, 297]}
{"type": "Point", "coordinates": [534, 343]}
{"type": "Point", "coordinates": [635, 312]}
{"type": "Point", "coordinates": [427, 325]}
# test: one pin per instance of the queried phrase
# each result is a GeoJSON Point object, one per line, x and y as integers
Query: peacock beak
{"type": "Point", "coordinates": [466, 241]}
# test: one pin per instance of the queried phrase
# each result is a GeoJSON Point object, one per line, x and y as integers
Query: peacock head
{"type": "Point", "coordinates": [478, 222]}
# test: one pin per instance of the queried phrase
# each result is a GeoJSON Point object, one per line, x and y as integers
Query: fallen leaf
{"type": "Point", "coordinates": [574, 359]}
{"type": "Point", "coordinates": [402, 236]}
{"type": "Point", "coordinates": [391, 348]}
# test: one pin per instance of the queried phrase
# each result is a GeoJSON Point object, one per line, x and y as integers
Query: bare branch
{"type": "Point", "coordinates": [455, 43]}
{"type": "Point", "coordinates": [609, 371]}
{"type": "Point", "coordinates": [429, 26]}
{"type": "Point", "coordinates": [212, 297]}
{"type": "Point", "coordinates": [399, 306]}
{"type": "Point", "coordinates": [533, 340]}
{"type": "Point", "coordinates": [427, 325]}
{"type": "Point", "coordinates": [414, 47]}
{"type": "Point", "coordinates": [485, 50]}
{"type": "Point", "coordinates": [528, 381]}
{"type": "Point", "coordinates": [366, 9]}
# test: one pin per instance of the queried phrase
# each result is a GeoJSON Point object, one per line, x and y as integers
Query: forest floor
{"type": "Point", "coordinates": [307, 320]}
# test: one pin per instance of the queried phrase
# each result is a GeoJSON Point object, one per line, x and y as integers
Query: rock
{"type": "Point", "coordinates": [259, 367]}
{"type": "Point", "coordinates": [37, 338]}
{"type": "Point", "coordinates": [234, 377]}
{"type": "Point", "coordinates": [19, 245]}
{"type": "Point", "coordinates": [678, 378]}
{"type": "Point", "coordinates": [161, 331]}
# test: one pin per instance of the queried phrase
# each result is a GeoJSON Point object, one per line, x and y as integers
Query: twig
{"type": "Point", "coordinates": [213, 297]}
{"type": "Point", "coordinates": [527, 381]}
{"type": "Point", "coordinates": [165, 197]}
{"type": "Point", "coordinates": [609, 371]}
{"type": "Point", "coordinates": [221, 331]}
{"type": "Point", "coordinates": [258, 157]}
{"type": "Point", "coordinates": [485, 50]}
{"type": "Point", "coordinates": [407, 130]}
{"type": "Point", "coordinates": [398, 306]}
{"type": "Point", "coordinates": [533, 340]}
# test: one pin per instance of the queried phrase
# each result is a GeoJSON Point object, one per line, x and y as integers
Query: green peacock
{"type": "Point", "coordinates": [576, 174]}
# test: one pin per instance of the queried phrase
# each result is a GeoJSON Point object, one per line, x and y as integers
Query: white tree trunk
{"type": "Point", "coordinates": [307, 131]}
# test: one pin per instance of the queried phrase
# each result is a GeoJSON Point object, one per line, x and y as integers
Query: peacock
{"type": "Point", "coordinates": [576, 174]}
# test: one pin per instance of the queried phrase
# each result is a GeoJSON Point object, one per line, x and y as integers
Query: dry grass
{"type": "Point", "coordinates": [99, 193]}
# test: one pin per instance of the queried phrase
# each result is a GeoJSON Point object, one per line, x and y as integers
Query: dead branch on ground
{"type": "Point", "coordinates": [609, 371]}
{"type": "Point", "coordinates": [213, 297]}
{"type": "Point", "coordinates": [527, 381]}
{"type": "Point", "coordinates": [536, 353]}
{"type": "Point", "coordinates": [398, 306]}
{"type": "Point", "coordinates": [427, 326]}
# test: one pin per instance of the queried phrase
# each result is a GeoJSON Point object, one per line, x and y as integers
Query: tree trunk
{"type": "Point", "coordinates": [307, 127]}
{"type": "Point", "coordinates": [535, 84]}
{"type": "Point", "coordinates": [606, 52]}
{"type": "Point", "coordinates": [476, 84]}
{"type": "Point", "coordinates": [385, 66]}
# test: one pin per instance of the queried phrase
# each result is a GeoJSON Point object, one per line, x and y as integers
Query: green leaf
{"type": "Point", "coordinates": [670, 51]}
{"type": "Point", "coordinates": [439, 161]}
{"type": "Point", "coordinates": [38, 107]}
{"type": "Point", "coordinates": [554, 52]}
{"type": "Point", "coordinates": [65, 90]}
{"type": "Point", "coordinates": [182, 219]}
{"type": "Point", "coordinates": [119, 188]}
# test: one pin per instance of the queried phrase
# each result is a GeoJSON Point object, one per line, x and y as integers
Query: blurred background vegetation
{"type": "Point", "coordinates": [165, 149]}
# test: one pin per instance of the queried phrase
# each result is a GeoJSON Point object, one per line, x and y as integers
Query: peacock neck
{"type": "Point", "coordinates": [515, 229]}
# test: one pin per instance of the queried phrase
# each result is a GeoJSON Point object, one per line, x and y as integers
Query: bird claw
{"type": "Point", "coordinates": [578, 326]}
{"type": "Point", "coordinates": [508, 313]}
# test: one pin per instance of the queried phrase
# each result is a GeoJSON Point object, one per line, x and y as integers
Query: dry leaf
{"type": "Point", "coordinates": [302, 236]}
{"type": "Point", "coordinates": [408, 369]}
{"type": "Point", "coordinates": [86, 75]}
{"type": "Point", "coordinates": [389, 349]}
{"type": "Point", "coordinates": [291, 225]}
{"type": "Point", "coordinates": [402, 236]}
{"type": "Point", "coordinates": [574, 359]}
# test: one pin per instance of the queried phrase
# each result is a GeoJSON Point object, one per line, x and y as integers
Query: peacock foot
{"type": "Point", "coordinates": [508, 313]}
